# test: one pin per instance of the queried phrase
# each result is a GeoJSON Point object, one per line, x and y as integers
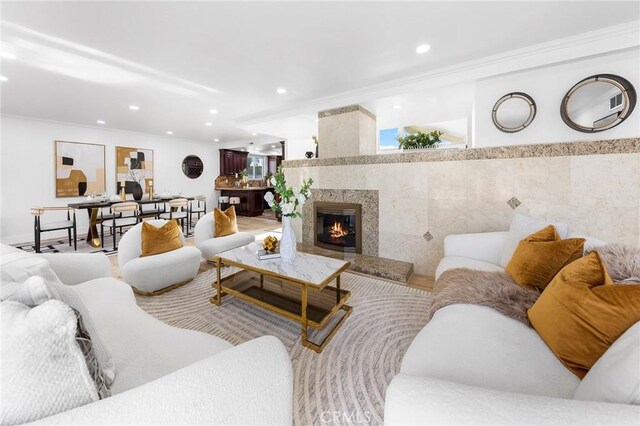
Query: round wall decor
{"type": "Point", "coordinates": [513, 112]}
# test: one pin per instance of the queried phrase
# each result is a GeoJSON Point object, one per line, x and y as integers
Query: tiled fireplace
{"type": "Point", "coordinates": [338, 226]}
{"type": "Point", "coordinates": [348, 220]}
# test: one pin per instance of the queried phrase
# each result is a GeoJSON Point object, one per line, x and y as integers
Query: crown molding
{"type": "Point", "coordinates": [593, 43]}
{"type": "Point", "coordinates": [100, 128]}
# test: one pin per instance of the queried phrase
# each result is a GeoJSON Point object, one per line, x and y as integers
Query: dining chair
{"type": "Point", "coordinates": [153, 211]}
{"type": "Point", "coordinates": [39, 227]}
{"type": "Point", "coordinates": [104, 213]}
{"type": "Point", "coordinates": [178, 210]}
{"type": "Point", "coordinates": [122, 215]}
{"type": "Point", "coordinates": [197, 206]}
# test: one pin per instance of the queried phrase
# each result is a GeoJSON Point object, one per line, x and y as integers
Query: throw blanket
{"type": "Point", "coordinates": [499, 291]}
{"type": "Point", "coordinates": [495, 290]}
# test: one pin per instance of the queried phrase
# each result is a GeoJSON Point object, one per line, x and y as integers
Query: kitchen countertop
{"type": "Point", "coordinates": [254, 188]}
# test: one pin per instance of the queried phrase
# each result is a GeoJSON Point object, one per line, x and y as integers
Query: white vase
{"type": "Point", "coordinates": [288, 242]}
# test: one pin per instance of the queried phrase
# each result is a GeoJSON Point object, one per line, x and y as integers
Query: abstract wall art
{"type": "Point", "coordinates": [80, 169]}
{"type": "Point", "coordinates": [134, 166]}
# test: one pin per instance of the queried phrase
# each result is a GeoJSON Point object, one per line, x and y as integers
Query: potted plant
{"type": "Point", "coordinates": [288, 203]}
{"type": "Point", "coordinates": [419, 140]}
{"type": "Point", "coordinates": [315, 141]}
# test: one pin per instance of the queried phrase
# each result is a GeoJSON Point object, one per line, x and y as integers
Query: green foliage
{"type": "Point", "coordinates": [420, 140]}
{"type": "Point", "coordinates": [289, 198]}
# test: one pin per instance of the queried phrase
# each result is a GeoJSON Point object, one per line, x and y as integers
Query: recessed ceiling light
{"type": "Point", "coordinates": [208, 124]}
{"type": "Point", "coordinates": [101, 122]}
{"type": "Point", "coordinates": [254, 134]}
{"type": "Point", "coordinates": [423, 48]}
{"type": "Point", "coordinates": [3, 78]}
{"type": "Point", "coordinates": [397, 106]}
{"type": "Point", "coordinates": [7, 55]}
{"type": "Point", "coordinates": [281, 90]}
{"type": "Point", "coordinates": [134, 107]}
{"type": "Point", "coordinates": [273, 146]}
{"type": "Point", "coordinates": [169, 132]}
{"type": "Point", "coordinates": [213, 111]}
{"type": "Point", "coordinates": [243, 149]}
{"type": "Point", "coordinates": [216, 140]}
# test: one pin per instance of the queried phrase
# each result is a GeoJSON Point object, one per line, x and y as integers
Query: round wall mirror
{"type": "Point", "coordinates": [513, 112]}
{"type": "Point", "coordinates": [192, 166]}
{"type": "Point", "coordinates": [598, 103]}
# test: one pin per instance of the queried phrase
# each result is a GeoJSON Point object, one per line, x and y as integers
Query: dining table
{"type": "Point", "coordinates": [93, 208]}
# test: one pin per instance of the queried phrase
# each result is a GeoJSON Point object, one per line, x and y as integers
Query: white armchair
{"type": "Point", "coordinates": [151, 274]}
{"type": "Point", "coordinates": [210, 246]}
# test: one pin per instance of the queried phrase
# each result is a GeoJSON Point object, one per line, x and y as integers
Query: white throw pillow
{"type": "Point", "coordinates": [43, 369]}
{"type": "Point", "coordinates": [522, 226]}
{"type": "Point", "coordinates": [615, 377]}
{"type": "Point", "coordinates": [17, 267]}
{"type": "Point", "coordinates": [69, 295]}
{"type": "Point", "coordinates": [32, 292]}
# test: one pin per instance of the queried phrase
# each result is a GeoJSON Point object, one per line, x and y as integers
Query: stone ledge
{"type": "Point", "coordinates": [611, 146]}
{"type": "Point", "coordinates": [388, 269]}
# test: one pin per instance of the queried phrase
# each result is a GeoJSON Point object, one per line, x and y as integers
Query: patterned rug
{"type": "Point", "coordinates": [61, 245]}
{"type": "Point", "coordinates": [346, 383]}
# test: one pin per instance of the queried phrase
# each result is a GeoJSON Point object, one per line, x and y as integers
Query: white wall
{"type": "Point", "coordinates": [295, 148]}
{"type": "Point", "coordinates": [28, 168]}
{"type": "Point", "coordinates": [547, 86]}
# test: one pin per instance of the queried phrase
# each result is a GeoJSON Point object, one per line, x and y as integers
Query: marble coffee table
{"type": "Point", "coordinates": [301, 291]}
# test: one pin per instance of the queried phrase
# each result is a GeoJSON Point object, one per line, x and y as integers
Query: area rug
{"type": "Point", "coordinates": [346, 383]}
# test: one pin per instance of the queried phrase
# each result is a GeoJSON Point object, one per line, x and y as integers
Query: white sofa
{"type": "Point", "coordinates": [210, 246]}
{"type": "Point", "coordinates": [473, 365]}
{"type": "Point", "coordinates": [151, 274]}
{"type": "Point", "coordinates": [167, 375]}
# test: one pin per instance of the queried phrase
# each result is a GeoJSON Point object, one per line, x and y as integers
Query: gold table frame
{"type": "Point", "coordinates": [305, 287]}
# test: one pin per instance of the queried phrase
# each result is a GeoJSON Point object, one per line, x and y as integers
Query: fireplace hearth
{"type": "Point", "coordinates": [338, 226]}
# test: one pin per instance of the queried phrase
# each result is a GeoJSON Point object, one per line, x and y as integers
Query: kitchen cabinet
{"type": "Point", "coordinates": [251, 200]}
{"type": "Point", "coordinates": [232, 161]}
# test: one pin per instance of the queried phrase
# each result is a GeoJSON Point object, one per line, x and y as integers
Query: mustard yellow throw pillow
{"type": "Point", "coordinates": [160, 240]}
{"type": "Point", "coordinates": [582, 312]}
{"type": "Point", "coordinates": [540, 256]}
{"type": "Point", "coordinates": [224, 222]}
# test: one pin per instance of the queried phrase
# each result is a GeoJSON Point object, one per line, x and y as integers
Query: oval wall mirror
{"type": "Point", "coordinates": [598, 103]}
{"type": "Point", "coordinates": [192, 166]}
{"type": "Point", "coordinates": [513, 112]}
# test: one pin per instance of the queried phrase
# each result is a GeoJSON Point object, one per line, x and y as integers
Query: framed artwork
{"type": "Point", "coordinates": [134, 166]}
{"type": "Point", "coordinates": [80, 169]}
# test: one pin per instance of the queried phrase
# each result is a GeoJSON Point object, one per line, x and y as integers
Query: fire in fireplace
{"type": "Point", "coordinates": [338, 226]}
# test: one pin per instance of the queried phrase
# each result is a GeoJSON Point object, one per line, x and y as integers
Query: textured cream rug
{"type": "Point", "coordinates": [346, 383]}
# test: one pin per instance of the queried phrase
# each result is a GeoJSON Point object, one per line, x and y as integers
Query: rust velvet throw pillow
{"type": "Point", "coordinates": [582, 312]}
{"type": "Point", "coordinates": [224, 222]}
{"type": "Point", "coordinates": [160, 240]}
{"type": "Point", "coordinates": [541, 255]}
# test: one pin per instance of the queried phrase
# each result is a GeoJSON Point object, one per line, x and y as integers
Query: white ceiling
{"type": "Point", "coordinates": [84, 61]}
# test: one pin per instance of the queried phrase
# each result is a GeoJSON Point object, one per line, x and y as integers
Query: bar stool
{"type": "Point", "coordinates": [119, 220]}
{"type": "Point", "coordinates": [39, 227]}
{"type": "Point", "coordinates": [235, 201]}
{"type": "Point", "coordinates": [197, 206]}
{"type": "Point", "coordinates": [222, 201]}
{"type": "Point", "coordinates": [177, 211]}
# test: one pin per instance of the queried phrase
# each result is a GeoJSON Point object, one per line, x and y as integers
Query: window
{"type": "Point", "coordinates": [387, 139]}
{"type": "Point", "coordinates": [255, 166]}
{"type": "Point", "coordinates": [615, 101]}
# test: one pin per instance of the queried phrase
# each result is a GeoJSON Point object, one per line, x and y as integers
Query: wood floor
{"type": "Point", "coordinates": [258, 224]}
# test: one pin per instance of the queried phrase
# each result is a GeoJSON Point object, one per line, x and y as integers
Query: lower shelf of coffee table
{"type": "Point", "coordinates": [285, 299]}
